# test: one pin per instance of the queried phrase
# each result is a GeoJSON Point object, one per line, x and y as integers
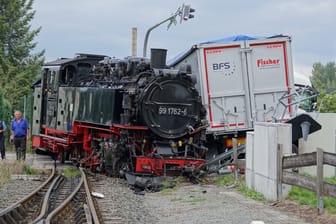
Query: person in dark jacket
{"type": "Point", "coordinates": [20, 134]}
{"type": "Point", "coordinates": [2, 139]}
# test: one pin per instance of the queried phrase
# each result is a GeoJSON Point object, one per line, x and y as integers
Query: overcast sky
{"type": "Point", "coordinates": [105, 26]}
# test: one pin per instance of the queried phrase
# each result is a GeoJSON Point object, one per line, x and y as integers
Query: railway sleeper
{"type": "Point", "coordinates": [9, 219]}
{"type": "Point", "coordinates": [80, 217]}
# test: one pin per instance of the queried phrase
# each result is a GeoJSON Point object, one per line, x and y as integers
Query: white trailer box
{"type": "Point", "coordinates": [241, 80]}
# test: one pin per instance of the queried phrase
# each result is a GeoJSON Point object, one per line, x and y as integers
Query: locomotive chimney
{"type": "Point", "coordinates": [158, 58]}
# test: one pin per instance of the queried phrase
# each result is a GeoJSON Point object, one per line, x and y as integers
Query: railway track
{"type": "Point", "coordinates": [57, 200]}
{"type": "Point", "coordinates": [109, 211]}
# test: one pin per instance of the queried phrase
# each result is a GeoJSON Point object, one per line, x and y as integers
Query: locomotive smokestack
{"type": "Point", "coordinates": [158, 58]}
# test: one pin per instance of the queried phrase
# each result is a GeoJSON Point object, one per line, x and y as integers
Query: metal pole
{"type": "Point", "coordinates": [178, 12]}
{"type": "Point", "coordinates": [152, 28]}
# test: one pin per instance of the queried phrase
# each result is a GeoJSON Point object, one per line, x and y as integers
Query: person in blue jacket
{"type": "Point", "coordinates": [20, 134]}
{"type": "Point", "coordinates": [2, 139]}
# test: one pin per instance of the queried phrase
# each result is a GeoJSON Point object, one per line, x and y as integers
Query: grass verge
{"type": "Point", "coordinates": [71, 173]}
{"type": "Point", "coordinates": [228, 180]}
{"type": "Point", "coordinates": [307, 197]}
{"type": "Point", "coordinates": [298, 194]}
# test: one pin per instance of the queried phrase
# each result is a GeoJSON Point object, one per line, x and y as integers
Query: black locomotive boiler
{"type": "Point", "coordinates": [114, 115]}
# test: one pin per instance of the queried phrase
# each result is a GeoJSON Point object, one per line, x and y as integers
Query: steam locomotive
{"type": "Point", "coordinates": [120, 115]}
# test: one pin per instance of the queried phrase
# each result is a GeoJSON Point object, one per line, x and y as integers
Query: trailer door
{"type": "Point", "coordinates": [270, 78]}
{"type": "Point", "coordinates": [226, 86]}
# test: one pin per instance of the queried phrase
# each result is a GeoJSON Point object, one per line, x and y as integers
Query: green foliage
{"type": "Point", "coordinates": [1, 104]}
{"type": "Point", "coordinates": [29, 170]}
{"type": "Point", "coordinates": [170, 183]}
{"type": "Point", "coordinates": [167, 184]}
{"type": "Point", "coordinates": [225, 180]}
{"type": "Point", "coordinates": [303, 196]}
{"type": "Point", "coordinates": [307, 197]}
{"type": "Point", "coordinates": [5, 112]}
{"type": "Point", "coordinates": [328, 104]}
{"type": "Point", "coordinates": [71, 173]}
{"type": "Point", "coordinates": [324, 77]}
{"type": "Point", "coordinates": [251, 193]}
{"type": "Point", "coordinates": [228, 180]}
{"type": "Point", "coordinates": [330, 204]}
{"type": "Point", "coordinates": [18, 66]}
{"type": "Point", "coordinates": [330, 180]}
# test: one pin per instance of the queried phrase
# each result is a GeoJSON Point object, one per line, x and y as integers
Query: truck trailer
{"type": "Point", "coordinates": [242, 80]}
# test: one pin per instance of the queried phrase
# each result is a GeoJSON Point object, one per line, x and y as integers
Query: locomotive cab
{"type": "Point", "coordinates": [59, 73]}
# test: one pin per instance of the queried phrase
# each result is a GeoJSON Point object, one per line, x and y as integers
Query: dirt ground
{"type": "Point", "coordinates": [305, 212]}
{"type": "Point", "coordinates": [190, 203]}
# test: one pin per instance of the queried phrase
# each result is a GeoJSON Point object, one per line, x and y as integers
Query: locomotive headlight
{"type": "Point", "coordinates": [179, 143]}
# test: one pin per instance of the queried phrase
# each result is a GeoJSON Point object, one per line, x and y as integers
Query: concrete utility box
{"type": "Point", "coordinates": [262, 157]}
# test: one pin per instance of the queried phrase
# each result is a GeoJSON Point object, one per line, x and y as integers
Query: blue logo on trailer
{"type": "Point", "coordinates": [225, 68]}
{"type": "Point", "coordinates": [221, 66]}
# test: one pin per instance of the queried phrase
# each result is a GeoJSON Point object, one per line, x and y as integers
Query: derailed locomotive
{"type": "Point", "coordinates": [130, 115]}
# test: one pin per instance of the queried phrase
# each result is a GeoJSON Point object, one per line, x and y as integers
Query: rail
{"type": "Point", "coordinates": [79, 202]}
{"type": "Point", "coordinates": [57, 200]}
{"type": "Point", "coordinates": [25, 209]}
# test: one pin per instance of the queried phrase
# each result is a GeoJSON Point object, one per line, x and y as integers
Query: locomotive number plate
{"type": "Point", "coordinates": [178, 111]}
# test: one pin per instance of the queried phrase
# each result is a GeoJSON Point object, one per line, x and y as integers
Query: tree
{"type": "Point", "coordinates": [324, 78]}
{"type": "Point", "coordinates": [5, 111]}
{"type": "Point", "coordinates": [18, 65]}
